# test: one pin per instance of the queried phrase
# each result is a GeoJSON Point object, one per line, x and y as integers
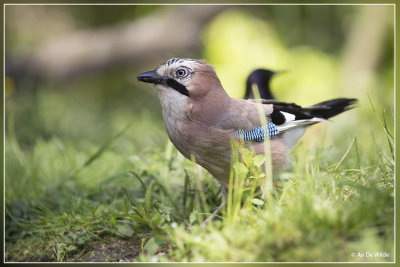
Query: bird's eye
{"type": "Point", "coordinates": [181, 73]}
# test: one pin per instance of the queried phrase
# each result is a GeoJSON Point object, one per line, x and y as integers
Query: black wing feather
{"type": "Point", "coordinates": [324, 110]}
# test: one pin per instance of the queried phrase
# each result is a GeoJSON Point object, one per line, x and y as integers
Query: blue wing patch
{"type": "Point", "coordinates": [259, 133]}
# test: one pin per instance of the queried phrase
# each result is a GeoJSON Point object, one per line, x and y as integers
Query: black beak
{"type": "Point", "coordinates": [151, 77]}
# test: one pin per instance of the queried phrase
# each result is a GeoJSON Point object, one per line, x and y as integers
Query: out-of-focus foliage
{"type": "Point", "coordinates": [254, 43]}
{"type": "Point", "coordinates": [237, 42]}
{"type": "Point", "coordinates": [27, 26]}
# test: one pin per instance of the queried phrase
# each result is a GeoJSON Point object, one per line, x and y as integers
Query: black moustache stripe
{"type": "Point", "coordinates": [178, 87]}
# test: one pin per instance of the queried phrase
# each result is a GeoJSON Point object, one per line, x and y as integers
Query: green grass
{"type": "Point", "coordinates": [316, 215]}
{"type": "Point", "coordinates": [110, 187]}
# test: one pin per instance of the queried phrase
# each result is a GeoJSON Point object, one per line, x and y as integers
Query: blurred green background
{"type": "Point", "coordinates": [62, 82]}
{"type": "Point", "coordinates": [71, 84]}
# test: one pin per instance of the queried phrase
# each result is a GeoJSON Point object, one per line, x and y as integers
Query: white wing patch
{"type": "Point", "coordinates": [288, 125]}
{"type": "Point", "coordinates": [288, 116]}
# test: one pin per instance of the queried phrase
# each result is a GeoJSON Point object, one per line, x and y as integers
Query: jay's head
{"type": "Point", "coordinates": [188, 77]}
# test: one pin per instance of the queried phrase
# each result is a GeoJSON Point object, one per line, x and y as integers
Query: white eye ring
{"type": "Point", "coordinates": [181, 73]}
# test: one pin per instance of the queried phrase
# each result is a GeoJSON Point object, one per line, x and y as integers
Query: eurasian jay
{"type": "Point", "coordinates": [201, 119]}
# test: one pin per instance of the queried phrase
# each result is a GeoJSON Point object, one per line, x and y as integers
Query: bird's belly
{"type": "Point", "coordinates": [210, 148]}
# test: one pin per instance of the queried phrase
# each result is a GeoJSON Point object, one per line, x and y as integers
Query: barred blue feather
{"type": "Point", "coordinates": [259, 133]}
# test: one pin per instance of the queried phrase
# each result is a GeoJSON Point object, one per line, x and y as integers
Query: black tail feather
{"type": "Point", "coordinates": [324, 110]}
{"type": "Point", "coordinates": [331, 108]}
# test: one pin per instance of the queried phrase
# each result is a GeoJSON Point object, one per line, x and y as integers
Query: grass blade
{"type": "Point", "coordinates": [98, 153]}
{"type": "Point", "coordinates": [147, 198]}
{"type": "Point", "coordinates": [185, 191]}
{"type": "Point", "coordinates": [389, 136]}
{"type": "Point", "coordinates": [269, 188]}
{"type": "Point", "coordinates": [134, 174]}
{"type": "Point", "coordinates": [104, 147]}
{"type": "Point", "coordinates": [345, 154]}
